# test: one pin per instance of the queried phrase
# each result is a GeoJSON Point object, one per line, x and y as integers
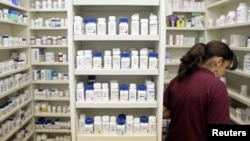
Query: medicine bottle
{"type": "Point", "coordinates": [97, 125]}
{"type": "Point", "coordinates": [97, 92]}
{"type": "Point", "coordinates": [90, 26]}
{"type": "Point", "coordinates": [80, 59]}
{"type": "Point", "coordinates": [105, 124]}
{"type": "Point", "coordinates": [129, 124]}
{"type": "Point", "coordinates": [248, 13]}
{"type": "Point", "coordinates": [150, 91]}
{"type": "Point", "coordinates": [105, 92]}
{"type": "Point", "coordinates": [89, 92]}
{"type": "Point", "coordinates": [78, 25]}
{"type": "Point", "coordinates": [246, 63]}
{"type": "Point", "coordinates": [152, 125]}
{"type": "Point", "coordinates": [89, 127]}
{"type": "Point", "coordinates": [87, 59]}
{"type": "Point", "coordinates": [153, 24]}
{"type": "Point", "coordinates": [116, 58]}
{"type": "Point", "coordinates": [137, 126]}
{"type": "Point", "coordinates": [114, 92]}
{"type": "Point", "coordinates": [107, 59]}
{"type": "Point", "coordinates": [248, 42]}
{"type": "Point", "coordinates": [97, 60]}
{"type": "Point", "coordinates": [152, 60]}
{"type": "Point", "coordinates": [134, 59]}
{"type": "Point", "coordinates": [112, 127]}
{"type": "Point", "coordinates": [101, 26]}
{"type": "Point", "coordinates": [143, 58]}
{"type": "Point", "coordinates": [132, 92]}
{"type": "Point", "coordinates": [144, 26]}
{"type": "Point", "coordinates": [241, 12]}
{"type": "Point", "coordinates": [231, 17]}
{"type": "Point", "coordinates": [123, 26]}
{"type": "Point", "coordinates": [112, 25]}
{"type": "Point", "coordinates": [60, 57]}
{"type": "Point", "coordinates": [120, 129]}
{"type": "Point", "coordinates": [135, 25]}
{"type": "Point", "coordinates": [123, 92]}
{"type": "Point", "coordinates": [144, 124]}
{"type": "Point", "coordinates": [80, 92]}
{"type": "Point", "coordinates": [142, 94]}
{"type": "Point", "coordinates": [125, 60]}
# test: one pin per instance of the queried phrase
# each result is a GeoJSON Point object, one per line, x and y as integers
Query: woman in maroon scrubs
{"type": "Point", "coordinates": [197, 97]}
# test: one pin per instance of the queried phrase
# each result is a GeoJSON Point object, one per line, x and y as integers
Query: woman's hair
{"type": "Point", "coordinates": [200, 53]}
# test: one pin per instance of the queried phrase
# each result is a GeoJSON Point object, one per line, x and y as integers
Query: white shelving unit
{"type": "Point", "coordinates": [234, 79]}
{"type": "Point", "coordinates": [99, 8]}
{"type": "Point", "coordinates": [18, 30]}
{"type": "Point", "coordinates": [57, 67]}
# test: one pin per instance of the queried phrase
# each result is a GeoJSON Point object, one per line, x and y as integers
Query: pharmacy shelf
{"type": "Point", "coordinates": [2, 118]}
{"type": "Point", "coordinates": [49, 46]}
{"type": "Point", "coordinates": [48, 28]}
{"type": "Point", "coordinates": [14, 89]}
{"type": "Point", "coordinates": [47, 10]}
{"type": "Point", "coordinates": [52, 131]}
{"type": "Point", "coordinates": [29, 136]}
{"type": "Point", "coordinates": [235, 95]}
{"type": "Point", "coordinates": [14, 131]}
{"type": "Point", "coordinates": [186, 29]}
{"type": "Point", "coordinates": [50, 63]}
{"type": "Point", "coordinates": [175, 63]}
{"type": "Point", "coordinates": [12, 23]}
{"type": "Point", "coordinates": [12, 47]}
{"type": "Point", "coordinates": [118, 104]}
{"type": "Point", "coordinates": [240, 48]}
{"type": "Point", "coordinates": [51, 99]}
{"type": "Point", "coordinates": [116, 72]}
{"type": "Point", "coordinates": [50, 82]}
{"type": "Point", "coordinates": [13, 72]}
{"type": "Point", "coordinates": [178, 46]}
{"type": "Point", "coordinates": [52, 114]}
{"type": "Point", "coordinates": [188, 11]}
{"type": "Point", "coordinates": [240, 72]}
{"type": "Point", "coordinates": [237, 25]}
{"type": "Point", "coordinates": [220, 3]}
{"type": "Point", "coordinates": [116, 37]}
{"type": "Point", "coordinates": [236, 120]}
{"type": "Point", "coordinates": [137, 137]}
{"type": "Point", "coordinates": [8, 4]}
{"type": "Point", "coordinates": [118, 2]}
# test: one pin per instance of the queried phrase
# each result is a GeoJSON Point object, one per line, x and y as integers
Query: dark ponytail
{"type": "Point", "coordinates": [191, 60]}
{"type": "Point", "coordinates": [200, 53]}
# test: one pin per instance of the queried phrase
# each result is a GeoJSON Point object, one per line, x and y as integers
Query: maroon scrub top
{"type": "Point", "coordinates": [196, 101]}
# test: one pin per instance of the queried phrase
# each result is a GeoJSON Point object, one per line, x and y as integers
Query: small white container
{"type": "Point", "coordinates": [144, 124]}
{"type": "Point", "coordinates": [112, 25]}
{"type": "Point", "coordinates": [89, 127]}
{"type": "Point", "coordinates": [142, 93]}
{"type": "Point", "coordinates": [80, 92]}
{"type": "Point", "coordinates": [89, 93]}
{"type": "Point", "coordinates": [153, 60]}
{"type": "Point", "coordinates": [105, 124]}
{"type": "Point", "coordinates": [246, 63]}
{"type": "Point", "coordinates": [152, 125]}
{"type": "Point", "coordinates": [134, 59]}
{"type": "Point", "coordinates": [105, 92]}
{"type": "Point", "coordinates": [78, 25]}
{"type": "Point", "coordinates": [137, 126]}
{"type": "Point", "coordinates": [97, 92]}
{"type": "Point", "coordinates": [107, 59]}
{"type": "Point", "coordinates": [112, 127]}
{"type": "Point", "coordinates": [125, 60]}
{"type": "Point", "coordinates": [87, 59]}
{"type": "Point", "coordinates": [80, 59]}
{"type": "Point", "coordinates": [123, 92]}
{"type": "Point", "coordinates": [231, 17]}
{"type": "Point", "coordinates": [116, 58]}
{"type": "Point", "coordinates": [120, 129]}
{"type": "Point", "coordinates": [144, 26]}
{"type": "Point", "coordinates": [101, 26]}
{"type": "Point", "coordinates": [153, 24]}
{"type": "Point", "coordinates": [241, 12]}
{"type": "Point", "coordinates": [97, 60]}
{"type": "Point", "coordinates": [123, 26]}
{"type": "Point", "coordinates": [114, 92]}
{"type": "Point", "coordinates": [97, 125]}
{"type": "Point", "coordinates": [129, 124]}
{"type": "Point", "coordinates": [90, 26]}
{"type": "Point", "coordinates": [143, 58]}
{"type": "Point", "coordinates": [135, 25]}
{"type": "Point", "coordinates": [132, 92]}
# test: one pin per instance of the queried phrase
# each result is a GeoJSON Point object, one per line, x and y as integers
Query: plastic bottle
{"type": "Point", "coordinates": [143, 58]}
{"type": "Point", "coordinates": [114, 92]}
{"type": "Point", "coordinates": [135, 25]}
{"type": "Point", "coordinates": [132, 92]}
{"type": "Point", "coordinates": [79, 59]}
{"type": "Point", "coordinates": [101, 26]}
{"type": "Point", "coordinates": [87, 59]}
{"type": "Point", "coordinates": [97, 92]}
{"type": "Point", "coordinates": [152, 60]}
{"type": "Point", "coordinates": [112, 127]}
{"type": "Point", "coordinates": [222, 20]}
{"type": "Point", "coordinates": [231, 17]}
{"type": "Point", "coordinates": [137, 126]}
{"type": "Point", "coordinates": [142, 94]}
{"type": "Point", "coordinates": [107, 59]}
{"type": "Point", "coordinates": [120, 129]}
{"type": "Point", "coordinates": [116, 58]}
{"type": "Point", "coordinates": [134, 59]}
{"type": "Point", "coordinates": [80, 92]}
{"type": "Point", "coordinates": [125, 60]}
{"type": "Point", "coordinates": [152, 125]}
{"type": "Point", "coordinates": [82, 123]}
{"type": "Point", "coordinates": [97, 125]}
{"type": "Point", "coordinates": [123, 26]}
{"type": "Point", "coordinates": [123, 92]}
{"type": "Point", "coordinates": [105, 124]}
{"type": "Point", "coordinates": [129, 124]}
{"type": "Point", "coordinates": [246, 64]}
{"type": "Point", "coordinates": [112, 25]}
{"type": "Point", "coordinates": [89, 93]}
{"type": "Point", "coordinates": [97, 60]}
{"type": "Point", "coordinates": [153, 24]}
{"type": "Point", "coordinates": [78, 25]}
{"type": "Point", "coordinates": [144, 124]}
{"type": "Point", "coordinates": [248, 42]}
{"type": "Point", "coordinates": [144, 26]}
{"type": "Point", "coordinates": [90, 26]}
{"type": "Point", "coordinates": [105, 92]}
{"type": "Point", "coordinates": [242, 11]}
{"type": "Point", "coordinates": [89, 127]}
{"type": "Point", "coordinates": [248, 19]}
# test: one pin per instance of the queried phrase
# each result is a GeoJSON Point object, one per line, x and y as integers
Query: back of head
{"type": "Point", "coordinates": [201, 53]}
